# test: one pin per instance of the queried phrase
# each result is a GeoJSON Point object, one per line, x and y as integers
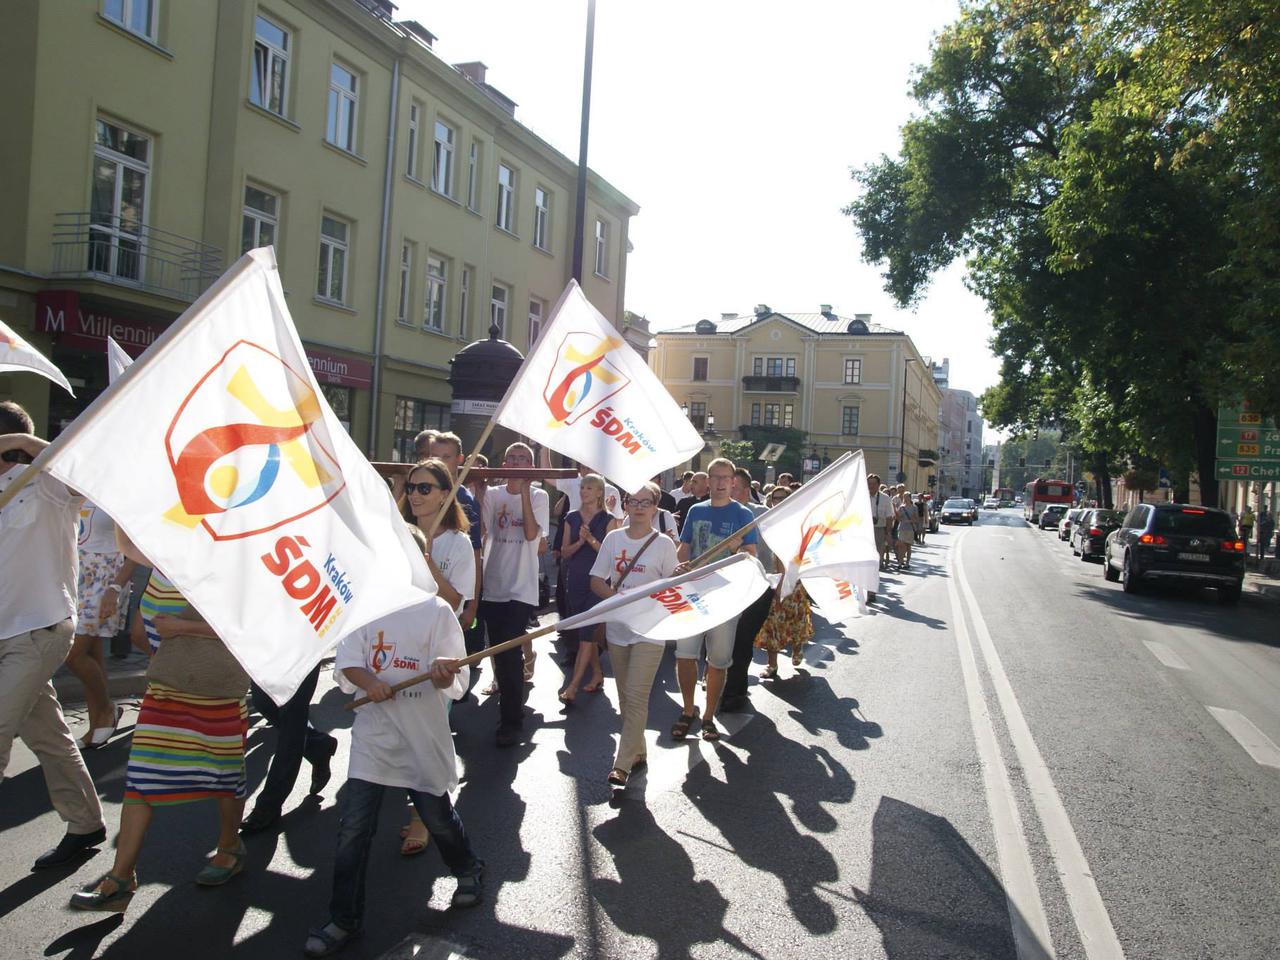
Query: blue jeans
{"type": "Point", "coordinates": [357, 822]}
{"type": "Point", "coordinates": [295, 739]}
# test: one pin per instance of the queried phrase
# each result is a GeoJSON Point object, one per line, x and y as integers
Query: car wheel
{"type": "Point", "coordinates": [1108, 571]}
{"type": "Point", "coordinates": [1229, 596]}
{"type": "Point", "coordinates": [1128, 577]}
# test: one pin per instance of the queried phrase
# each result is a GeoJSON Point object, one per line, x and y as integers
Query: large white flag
{"type": "Point", "coordinates": [584, 392]}
{"type": "Point", "coordinates": [18, 355]}
{"type": "Point", "coordinates": [826, 528]}
{"type": "Point", "coordinates": [683, 605]}
{"type": "Point", "coordinates": [834, 597]}
{"type": "Point", "coordinates": [241, 485]}
{"type": "Point", "coordinates": [117, 360]}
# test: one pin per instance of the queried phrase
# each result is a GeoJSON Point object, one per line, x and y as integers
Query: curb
{"type": "Point", "coordinates": [129, 681]}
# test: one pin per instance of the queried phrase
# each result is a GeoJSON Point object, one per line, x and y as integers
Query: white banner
{"type": "Point", "coordinates": [242, 486]}
{"type": "Point", "coordinates": [826, 528]}
{"type": "Point", "coordinates": [16, 355]}
{"type": "Point", "coordinates": [835, 598]}
{"type": "Point", "coordinates": [583, 392]}
{"type": "Point", "coordinates": [117, 360]}
{"type": "Point", "coordinates": [683, 605]}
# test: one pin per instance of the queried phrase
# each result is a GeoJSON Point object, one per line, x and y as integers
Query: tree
{"type": "Point", "coordinates": [741, 452]}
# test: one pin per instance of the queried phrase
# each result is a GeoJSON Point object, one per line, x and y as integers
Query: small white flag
{"type": "Point", "coordinates": [583, 392]}
{"type": "Point", "coordinates": [835, 598]}
{"type": "Point", "coordinates": [117, 360]}
{"type": "Point", "coordinates": [18, 355]}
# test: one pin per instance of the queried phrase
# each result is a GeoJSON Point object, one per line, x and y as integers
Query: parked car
{"type": "Point", "coordinates": [1089, 535]}
{"type": "Point", "coordinates": [1069, 521]}
{"type": "Point", "coordinates": [1005, 503]}
{"type": "Point", "coordinates": [1051, 515]}
{"type": "Point", "coordinates": [1197, 546]}
{"type": "Point", "coordinates": [959, 510]}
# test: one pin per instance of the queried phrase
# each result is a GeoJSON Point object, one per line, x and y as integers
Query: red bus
{"type": "Point", "coordinates": [1004, 495]}
{"type": "Point", "coordinates": [1040, 493]}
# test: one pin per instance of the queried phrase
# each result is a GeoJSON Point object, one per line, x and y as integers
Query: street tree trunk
{"type": "Point", "coordinates": [1205, 438]}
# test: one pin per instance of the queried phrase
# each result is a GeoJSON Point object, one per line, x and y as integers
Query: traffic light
{"type": "Point", "coordinates": [1022, 461]}
{"type": "Point", "coordinates": [933, 481]}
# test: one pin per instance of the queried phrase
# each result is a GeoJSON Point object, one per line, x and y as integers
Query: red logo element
{"type": "Point", "coordinates": [380, 654]}
{"type": "Point", "coordinates": [582, 377]}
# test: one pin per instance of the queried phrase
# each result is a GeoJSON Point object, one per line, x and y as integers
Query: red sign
{"type": "Point", "coordinates": [341, 371]}
{"type": "Point", "coordinates": [60, 312]}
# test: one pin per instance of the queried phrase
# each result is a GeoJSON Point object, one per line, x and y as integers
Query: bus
{"type": "Point", "coordinates": [1040, 493]}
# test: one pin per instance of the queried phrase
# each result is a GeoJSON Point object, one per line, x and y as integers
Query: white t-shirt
{"type": "Point", "coordinates": [39, 563]}
{"type": "Point", "coordinates": [405, 741]}
{"type": "Point", "coordinates": [511, 560]}
{"type": "Point", "coordinates": [452, 552]}
{"type": "Point", "coordinates": [882, 509]}
{"type": "Point", "coordinates": [616, 550]}
{"type": "Point", "coordinates": [571, 487]}
{"type": "Point", "coordinates": [97, 530]}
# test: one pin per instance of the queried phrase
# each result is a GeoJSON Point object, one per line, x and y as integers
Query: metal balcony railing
{"type": "Point", "coordinates": [121, 251]}
{"type": "Point", "coordinates": [770, 384]}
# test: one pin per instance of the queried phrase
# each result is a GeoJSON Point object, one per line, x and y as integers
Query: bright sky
{"type": "Point", "coordinates": [734, 126]}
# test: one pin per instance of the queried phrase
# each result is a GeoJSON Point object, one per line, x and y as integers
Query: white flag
{"type": "Point", "coordinates": [583, 392]}
{"type": "Point", "coordinates": [835, 598]}
{"type": "Point", "coordinates": [18, 355]}
{"type": "Point", "coordinates": [117, 360]}
{"type": "Point", "coordinates": [826, 528]}
{"type": "Point", "coordinates": [242, 486]}
{"type": "Point", "coordinates": [684, 605]}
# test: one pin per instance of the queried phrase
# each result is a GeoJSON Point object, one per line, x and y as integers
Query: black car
{"type": "Point", "coordinates": [1051, 516]}
{"type": "Point", "coordinates": [1197, 546]}
{"type": "Point", "coordinates": [959, 510]}
{"type": "Point", "coordinates": [1089, 535]}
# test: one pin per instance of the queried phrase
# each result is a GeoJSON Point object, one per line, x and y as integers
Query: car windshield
{"type": "Point", "coordinates": [1101, 517]}
{"type": "Point", "coordinates": [1055, 509]}
{"type": "Point", "coordinates": [958, 504]}
{"type": "Point", "coordinates": [1208, 523]}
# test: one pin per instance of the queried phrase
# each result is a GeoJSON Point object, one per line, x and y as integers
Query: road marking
{"type": "Point", "coordinates": [1256, 743]}
{"type": "Point", "coordinates": [1166, 655]}
{"type": "Point", "coordinates": [1031, 934]}
{"type": "Point", "coordinates": [1092, 920]}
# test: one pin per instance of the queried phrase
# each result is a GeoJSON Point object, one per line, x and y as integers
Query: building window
{"type": "Point", "coordinates": [473, 177]}
{"type": "Point", "coordinates": [259, 220]}
{"type": "Point", "coordinates": [536, 310]}
{"type": "Point", "coordinates": [498, 308]}
{"type": "Point", "coordinates": [755, 414]}
{"type": "Point", "coordinates": [339, 400]}
{"type": "Point", "coordinates": [852, 370]}
{"type": "Point", "coordinates": [415, 119]}
{"type": "Point", "coordinates": [969, 426]}
{"type": "Point", "coordinates": [699, 368]}
{"type": "Point", "coordinates": [406, 282]}
{"type": "Point", "coordinates": [849, 422]}
{"type": "Point", "coordinates": [757, 366]}
{"type": "Point", "coordinates": [541, 217]}
{"type": "Point", "coordinates": [121, 166]}
{"type": "Point", "coordinates": [772, 414]}
{"type": "Point", "coordinates": [269, 85]}
{"type": "Point", "coordinates": [773, 366]}
{"type": "Point", "coordinates": [442, 164]}
{"type": "Point", "coordinates": [464, 304]}
{"type": "Point", "coordinates": [343, 97]}
{"type": "Point", "coordinates": [433, 314]}
{"type": "Point", "coordinates": [332, 280]}
{"type": "Point", "coordinates": [698, 414]}
{"type": "Point", "coordinates": [788, 414]}
{"type": "Point", "coordinates": [136, 16]}
{"type": "Point", "coordinates": [412, 417]}
{"type": "Point", "coordinates": [602, 249]}
{"type": "Point", "coordinates": [506, 197]}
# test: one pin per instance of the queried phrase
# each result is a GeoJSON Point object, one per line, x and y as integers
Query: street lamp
{"type": "Point", "coordinates": [711, 422]}
{"type": "Point", "coordinates": [902, 439]}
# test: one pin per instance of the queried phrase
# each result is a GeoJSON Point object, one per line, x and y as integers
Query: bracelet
{"type": "Point", "coordinates": [117, 587]}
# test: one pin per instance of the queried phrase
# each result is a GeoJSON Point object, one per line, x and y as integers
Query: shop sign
{"type": "Point", "coordinates": [485, 408]}
{"type": "Point", "coordinates": [60, 312]}
{"type": "Point", "coordinates": [340, 371]}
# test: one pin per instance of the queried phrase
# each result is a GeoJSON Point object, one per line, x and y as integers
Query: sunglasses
{"type": "Point", "coordinates": [15, 456]}
{"type": "Point", "coordinates": [633, 502]}
{"type": "Point", "coordinates": [421, 488]}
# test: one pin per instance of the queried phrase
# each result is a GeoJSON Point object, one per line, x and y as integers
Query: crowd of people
{"type": "Point", "coordinates": [72, 569]}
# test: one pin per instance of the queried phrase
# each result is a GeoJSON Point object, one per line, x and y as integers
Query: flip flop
{"type": "Point", "coordinates": [594, 686]}
{"type": "Point", "coordinates": [412, 846]}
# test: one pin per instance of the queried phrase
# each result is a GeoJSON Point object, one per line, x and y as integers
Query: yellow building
{"type": "Point", "coordinates": [814, 380]}
{"type": "Point", "coordinates": [151, 142]}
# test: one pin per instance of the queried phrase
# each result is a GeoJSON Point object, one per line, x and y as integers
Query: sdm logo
{"type": "Point", "coordinates": [582, 377]}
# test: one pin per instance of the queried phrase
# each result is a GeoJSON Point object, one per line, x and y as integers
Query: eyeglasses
{"type": "Point", "coordinates": [421, 488]}
{"type": "Point", "coordinates": [633, 502]}
{"type": "Point", "coordinates": [15, 456]}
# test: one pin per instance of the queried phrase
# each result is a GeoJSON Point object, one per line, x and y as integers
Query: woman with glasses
{"type": "Point", "coordinates": [577, 541]}
{"type": "Point", "coordinates": [635, 658]}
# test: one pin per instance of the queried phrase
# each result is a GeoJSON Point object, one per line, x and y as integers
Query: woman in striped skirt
{"type": "Point", "coordinates": [185, 747]}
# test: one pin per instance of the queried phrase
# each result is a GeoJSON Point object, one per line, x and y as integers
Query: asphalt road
{"type": "Point", "coordinates": [1010, 758]}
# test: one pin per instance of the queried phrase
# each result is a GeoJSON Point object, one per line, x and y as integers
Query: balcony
{"type": "Point", "coordinates": [758, 384]}
{"type": "Point", "coordinates": [123, 252]}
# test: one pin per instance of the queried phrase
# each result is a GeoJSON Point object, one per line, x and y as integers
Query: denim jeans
{"type": "Point", "coordinates": [295, 739]}
{"type": "Point", "coordinates": [357, 822]}
{"type": "Point", "coordinates": [506, 620]}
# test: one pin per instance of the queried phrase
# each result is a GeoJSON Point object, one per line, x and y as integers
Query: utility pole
{"type": "Point", "coordinates": [580, 218]}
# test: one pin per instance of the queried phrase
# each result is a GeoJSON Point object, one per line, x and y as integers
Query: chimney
{"type": "Point", "coordinates": [825, 310]}
{"type": "Point", "coordinates": [473, 71]}
{"type": "Point", "coordinates": [418, 30]}
{"type": "Point", "coordinates": [762, 310]}
{"type": "Point", "coordinates": [728, 316]}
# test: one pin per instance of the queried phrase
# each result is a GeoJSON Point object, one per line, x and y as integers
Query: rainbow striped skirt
{"type": "Point", "coordinates": [186, 748]}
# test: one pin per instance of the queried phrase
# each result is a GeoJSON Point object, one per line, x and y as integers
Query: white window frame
{"type": "Point", "coordinates": [340, 99]}
{"type": "Point", "coordinates": [124, 22]}
{"type": "Point", "coordinates": [464, 301]}
{"type": "Point", "coordinates": [260, 218]}
{"type": "Point", "coordinates": [541, 217]}
{"type": "Point", "coordinates": [442, 158]}
{"type": "Point", "coordinates": [852, 370]}
{"type": "Point", "coordinates": [406, 282]}
{"type": "Point", "coordinates": [537, 312]}
{"type": "Point", "coordinates": [788, 414]}
{"type": "Point", "coordinates": [498, 306]}
{"type": "Point", "coordinates": [330, 247]}
{"type": "Point", "coordinates": [473, 177]}
{"type": "Point", "coordinates": [415, 121]}
{"type": "Point", "coordinates": [114, 234]}
{"type": "Point", "coordinates": [602, 249]}
{"type": "Point", "coordinates": [773, 414]}
{"type": "Point", "coordinates": [505, 219]}
{"type": "Point", "coordinates": [846, 420]}
{"type": "Point", "coordinates": [268, 54]}
{"type": "Point", "coordinates": [433, 306]}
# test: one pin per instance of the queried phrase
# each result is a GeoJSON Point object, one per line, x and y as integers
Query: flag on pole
{"type": "Point", "coordinates": [834, 597]}
{"type": "Point", "coordinates": [683, 605]}
{"type": "Point", "coordinates": [826, 528]}
{"type": "Point", "coordinates": [117, 360]}
{"type": "Point", "coordinates": [242, 486]}
{"type": "Point", "coordinates": [18, 355]}
{"type": "Point", "coordinates": [583, 392]}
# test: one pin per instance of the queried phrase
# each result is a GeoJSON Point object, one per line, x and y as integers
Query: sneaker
{"type": "Point", "coordinates": [470, 888]}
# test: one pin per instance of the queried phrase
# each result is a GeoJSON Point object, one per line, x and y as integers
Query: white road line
{"type": "Point", "coordinates": [1165, 655]}
{"type": "Point", "coordinates": [1090, 913]}
{"type": "Point", "coordinates": [1031, 935]}
{"type": "Point", "coordinates": [1256, 743]}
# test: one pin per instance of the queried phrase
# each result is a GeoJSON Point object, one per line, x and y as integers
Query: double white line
{"type": "Point", "coordinates": [1026, 909]}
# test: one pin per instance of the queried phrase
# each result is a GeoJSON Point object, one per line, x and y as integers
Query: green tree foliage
{"type": "Point", "coordinates": [741, 452]}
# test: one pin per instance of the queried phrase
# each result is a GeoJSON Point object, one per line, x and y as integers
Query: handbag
{"type": "Point", "coordinates": [202, 666]}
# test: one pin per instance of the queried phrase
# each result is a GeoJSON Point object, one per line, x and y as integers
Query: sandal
{"type": "Point", "coordinates": [89, 897]}
{"type": "Point", "coordinates": [327, 940]}
{"type": "Point", "coordinates": [97, 737]}
{"type": "Point", "coordinates": [618, 777]}
{"type": "Point", "coordinates": [565, 699]}
{"type": "Point", "coordinates": [491, 690]}
{"type": "Point", "coordinates": [594, 686]}
{"type": "Point", "coordinates": [215, 876]}
{"type": "Point", "coordinates": [710, 732]}
{"type": "Point", "coordinates": [769, 673]}
{"type": "Point", "coordinates": [411, 846]}
{"type": "Point", "coordinates": [680, 729]}
{"type": "Point", "coordinates": [529, 661]}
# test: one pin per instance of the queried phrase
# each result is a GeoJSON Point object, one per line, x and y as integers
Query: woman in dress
{"type": "Point", "coordinates": [789, 623]}
{"type": "Point", "coordinates": [577, 542]}
{"type": "Point", "coordinates": [187, 746]}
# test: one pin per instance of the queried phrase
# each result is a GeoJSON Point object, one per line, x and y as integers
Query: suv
{"type": "Point", "coordinates": [1051, 515]}
{"type": "Point", "coordinates": [1194, 545]}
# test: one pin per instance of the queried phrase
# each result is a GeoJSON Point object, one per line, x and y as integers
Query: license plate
{"type": "Point", "coordinates": [1198, 557]}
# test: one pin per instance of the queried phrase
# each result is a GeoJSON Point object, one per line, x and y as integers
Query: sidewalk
{"type": "Point", "coordinates": [1264, 583]}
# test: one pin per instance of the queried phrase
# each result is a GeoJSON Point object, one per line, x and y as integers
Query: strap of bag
{"type": "Point", "coordinates": [639, 554]}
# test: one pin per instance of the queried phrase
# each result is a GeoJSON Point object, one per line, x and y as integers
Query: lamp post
{"type": "Point", "coordinates": [902, 438]}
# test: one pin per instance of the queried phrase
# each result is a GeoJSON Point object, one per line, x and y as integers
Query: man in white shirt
{"type": "Point", "coordinates": [38, 572]}
{"type": "Point", "coordinates": [882, 511]}
{"type": "Point", "coordinates": [683, 488]}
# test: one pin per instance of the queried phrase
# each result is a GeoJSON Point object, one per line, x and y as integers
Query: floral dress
{"type": "Point", "coordinates": [789, 624]}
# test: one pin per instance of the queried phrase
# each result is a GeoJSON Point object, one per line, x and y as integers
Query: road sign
{"type": "Point", "coordinates": [1249, 470]}
{"type": "Point", "coordinates": [1247, 447]}
{"type": "Point", "coordinates": [772, 452]}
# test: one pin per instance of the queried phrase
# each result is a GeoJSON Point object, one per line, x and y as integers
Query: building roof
{"type": "Point", "coordinates": [820, 323]}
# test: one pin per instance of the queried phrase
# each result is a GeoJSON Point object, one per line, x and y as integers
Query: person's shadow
{"type": "Point", "coordinates": [817, 708]}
